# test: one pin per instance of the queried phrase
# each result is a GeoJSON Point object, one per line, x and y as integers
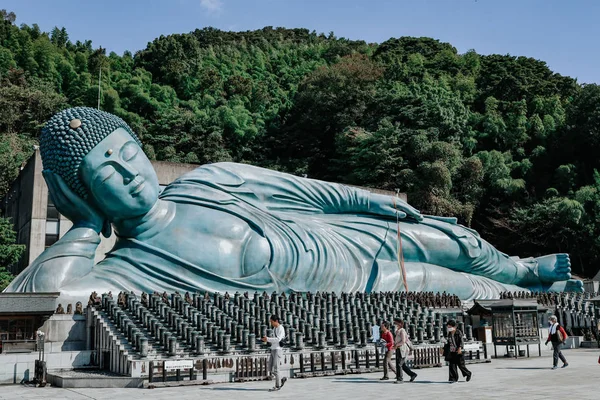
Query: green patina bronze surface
{"type": "Point", "coordinates": [228, 226]}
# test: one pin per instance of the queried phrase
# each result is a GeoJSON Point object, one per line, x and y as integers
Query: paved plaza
{"type": "Point", "coordinates": [502, 379]}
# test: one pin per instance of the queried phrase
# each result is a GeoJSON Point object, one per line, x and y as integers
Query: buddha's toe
{"type": "Point", "coordinates": [554, 267]}
{"type": "Point", "coordinates": [571, 285]}
{"type": "Point", "coordinates": [574, 285]}
{"type": "Point", "coordinates": [562, 261]}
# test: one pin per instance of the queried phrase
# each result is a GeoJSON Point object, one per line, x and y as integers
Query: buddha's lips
{"type": "Point", "coordinates": [137, 188]}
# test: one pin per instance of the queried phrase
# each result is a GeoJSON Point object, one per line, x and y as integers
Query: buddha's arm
{"type": "Point", "coordinates": [288, 193]}
{"type": "Point", "coordinates": [68, 259]}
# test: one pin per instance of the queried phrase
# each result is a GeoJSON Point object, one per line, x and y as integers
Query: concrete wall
{"type": "Point", "coordinates": [65, 344]}
{"type": "Point", "coordinates": [16, 368]}
{"type": "Point", "coordinates": [65, 333]}
{"type": "Point", "coordinates": [39, 211]}
{"type": "Point", "coordinates": [17, 205]}
{"type": "Point", "coordinates": [26, 205]}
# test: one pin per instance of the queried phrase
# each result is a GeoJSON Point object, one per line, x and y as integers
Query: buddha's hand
{"type": "Point", "coordinates": [72, 206]}
{"type": "Point", "coordinates": [391, 206]}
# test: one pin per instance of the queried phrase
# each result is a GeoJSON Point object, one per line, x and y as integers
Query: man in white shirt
{"type": "Point", "coordinates": [276, 352]}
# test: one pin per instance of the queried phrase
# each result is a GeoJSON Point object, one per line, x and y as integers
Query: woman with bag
{"type": "Point", "coordinates": [557, 336]}
{"type": "Point", "coordinates": [453, 353]}
{"type": "Point", "coordinates": [403, 347]}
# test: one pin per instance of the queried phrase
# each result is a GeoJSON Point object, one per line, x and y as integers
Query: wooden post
{"type": "Point", "coordinates": [164, 372]}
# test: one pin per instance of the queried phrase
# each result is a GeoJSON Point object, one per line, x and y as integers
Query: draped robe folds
{"type": "Point", "coordinates": [321, 235]}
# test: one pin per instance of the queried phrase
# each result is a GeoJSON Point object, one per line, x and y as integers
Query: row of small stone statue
{"type": "Point", "coordinates": [78, 309]}
{"type": "Point", "coordinates": [425, 299]}
{"type": "Point", "coordinates": [568, 300]}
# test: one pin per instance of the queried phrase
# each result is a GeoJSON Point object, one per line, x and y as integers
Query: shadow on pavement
{"type": "Point", "coordinates": [366, 380]}
{"type": "Point", "coordinates": [241, 389]}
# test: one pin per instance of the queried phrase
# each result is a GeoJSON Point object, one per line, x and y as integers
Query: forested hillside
{"type": "Point", "coordinates": [502, 142]}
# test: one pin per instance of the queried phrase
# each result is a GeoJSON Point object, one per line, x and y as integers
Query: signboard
{"type": "Point", "coordinates": [471, 347]}
{"type": "Point", "coordinates": [171, 365]}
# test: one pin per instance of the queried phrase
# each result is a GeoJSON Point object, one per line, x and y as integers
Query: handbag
{"type": "Point", "coordinates": [446, 352]}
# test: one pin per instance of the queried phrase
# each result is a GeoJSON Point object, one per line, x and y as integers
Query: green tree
{"type": "Point", "coordinates": [10, 253]}
{"type": "Point", "coordinates": [502, 142]}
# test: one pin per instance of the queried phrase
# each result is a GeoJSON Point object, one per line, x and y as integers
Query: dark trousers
{"type": "Point", "coordinates": [557, 354]}
{"type": "Point", "coordinates": [457, 361]}
{"type": "Point", "coordinates": [401, 366]}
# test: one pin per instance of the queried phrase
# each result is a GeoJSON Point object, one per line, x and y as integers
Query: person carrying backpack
{"type": "Point", "coordinates": [557, 336]}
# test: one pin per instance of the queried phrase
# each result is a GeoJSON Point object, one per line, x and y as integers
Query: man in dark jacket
{"type": "Point", "coordinates": [454, 354]}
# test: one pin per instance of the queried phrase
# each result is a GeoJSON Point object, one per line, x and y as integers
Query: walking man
{"type": "Point", "coordinates": [276, 352]}
{"type": "Point", "coordinates": [557, 336]}
{"type": "Point", "coordinates": [402, 350]}
{"type": "Point", "coordinates": [454, 354]}
{"type": "Point", "coordinates": [389, 350]}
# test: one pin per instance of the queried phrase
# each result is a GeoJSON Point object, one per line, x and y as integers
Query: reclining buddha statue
{"type": "Point", "coordinates": [227, 226]}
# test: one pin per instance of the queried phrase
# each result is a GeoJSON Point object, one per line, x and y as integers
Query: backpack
{"type": "Point", "coordinates": [562, 334]}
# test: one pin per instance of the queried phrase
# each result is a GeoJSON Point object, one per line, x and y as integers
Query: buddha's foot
{"type": "Point", "coordinates": [572, 285]}
{"type": "Point", "coordinates": [554, 268]}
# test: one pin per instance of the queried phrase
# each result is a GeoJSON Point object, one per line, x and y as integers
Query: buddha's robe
{"type": "Point", "coordinates": [318, 236]}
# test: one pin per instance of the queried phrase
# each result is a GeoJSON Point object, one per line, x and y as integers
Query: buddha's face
{"type": "Point", "coordinates": [120, 177]}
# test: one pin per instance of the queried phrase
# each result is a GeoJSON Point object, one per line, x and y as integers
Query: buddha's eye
{"type": "Point", "coordinates": [130, 150]}
{"type": "Point", "coordinates": [106, 173]}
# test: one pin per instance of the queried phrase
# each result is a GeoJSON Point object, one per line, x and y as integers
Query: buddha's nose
{"type": "Point", "coordinates": [129, 173]}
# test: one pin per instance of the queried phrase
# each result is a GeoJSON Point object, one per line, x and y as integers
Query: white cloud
{"type": "Point", "coordinates": [212, 6]}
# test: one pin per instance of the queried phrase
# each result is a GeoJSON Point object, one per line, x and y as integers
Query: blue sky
{"type": "Point", "coordinates": [564, 33]}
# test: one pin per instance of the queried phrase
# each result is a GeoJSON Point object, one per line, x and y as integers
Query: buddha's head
{"type": "Point", "coordinates": [100, 159]}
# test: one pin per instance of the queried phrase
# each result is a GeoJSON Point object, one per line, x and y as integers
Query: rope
{"type": "Point", "coordinates": [400, 252]}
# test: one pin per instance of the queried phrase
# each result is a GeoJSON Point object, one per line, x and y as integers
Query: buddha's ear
{"type": "Point", "coordinates": [106, 228]}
